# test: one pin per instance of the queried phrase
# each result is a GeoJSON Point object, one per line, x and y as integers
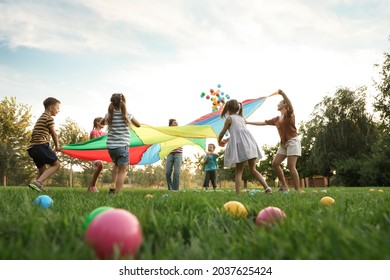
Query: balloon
{"type": "Point", "coordinates": [217, 97]}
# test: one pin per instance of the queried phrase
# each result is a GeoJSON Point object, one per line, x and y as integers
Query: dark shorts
{"type": "Point", "coordinates": [120, 155]}
{"type": "Point", "coordinates": [42, 154]}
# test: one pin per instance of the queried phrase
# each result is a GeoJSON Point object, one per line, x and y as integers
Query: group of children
{"type": "Point", "coordinates": [241, 146]}
{"type": "Point", "coordinates": [118, 121]}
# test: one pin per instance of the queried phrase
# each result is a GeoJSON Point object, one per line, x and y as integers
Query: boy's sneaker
{"type": "Point", "coordinates": [35, 187]}
{"type": "Point", "coordinates": [268, 190]}
{"type": "Point", "coordinates": [111, 191]}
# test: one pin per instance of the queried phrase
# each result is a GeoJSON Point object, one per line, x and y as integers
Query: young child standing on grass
{"type": "Point", "coordinates": [241, 145]}
{"type": "Point", "coordinates": [118, 138]}
{"type": "Point", "coordinates": [211, 166]}
{"type": "Point", "coordinates": [97, 164]}
{"type": "Point", "coordinates": [39, 149]}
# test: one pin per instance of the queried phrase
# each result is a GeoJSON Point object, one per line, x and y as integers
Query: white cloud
{"type": "Point", "coordinates": [171, 51]}
{"type": "Point", "coordinates": [133, 27]}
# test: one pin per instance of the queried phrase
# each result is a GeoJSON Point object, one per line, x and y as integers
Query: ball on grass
{"type": "Point", "coordinates": [235, 208]}
{"type": "Point", "coordinates": [43, 201]}
{"type": "Point", "coordinates": [115, 233]}
{"type": "Point", "coordinates": [93, 214]}
{"type": "Point", "coordinates": [269, 216]}
{"type": "Point", "coordinates": [327, 200]}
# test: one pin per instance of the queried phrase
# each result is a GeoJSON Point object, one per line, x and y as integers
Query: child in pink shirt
{"type": "Point", "coordinates": [97, 164]}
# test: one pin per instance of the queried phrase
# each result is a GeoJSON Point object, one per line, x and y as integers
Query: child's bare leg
{"type": "Point", "coordinates": [120, 180]}
{"type": "Point", "coordinates": [256, 174]}
{"type": "Point", "coordinates": [41, 171]}
{"type": "Point", "coordinates": [99, 167]}
{"type": "Point", "coordinates": [291, 165]}
{"type": "Point", "coordinates": [279, 158]}
{"type": "Point", "coordinates": [47, 172]}
{"type": "Point", "coordinates": [114, 174]}
{"type": "Point", "coordinates": [238, 176]}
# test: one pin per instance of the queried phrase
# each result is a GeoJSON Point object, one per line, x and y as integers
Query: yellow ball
{"type": "Point", "coordinates": [327, 200]}
{"type": "Point", "coordinates": [372, 190]}
{"type": "Point", "coordinates": [235, 208]}
{"type": "Point", "coordinates": [148, 196]}
{"type": "Point", "coordinates": [380, 190]}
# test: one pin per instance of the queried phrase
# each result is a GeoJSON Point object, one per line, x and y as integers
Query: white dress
{"type": "Point", "coordinates": [241, 145]}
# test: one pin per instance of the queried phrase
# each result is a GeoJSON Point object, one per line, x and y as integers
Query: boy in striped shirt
{"type": "Point", "coordinates": [39, 149]}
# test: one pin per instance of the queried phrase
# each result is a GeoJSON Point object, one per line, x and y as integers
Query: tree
{"type": "Point", "coordinates": [265, 167]}
{"type": "Point", "coordinates": [305, 165]}
{"type": "Point", "coordinates": [15, 164]}
{"type": "Point", "coordinates": [382, 100]}
{"type": "Point", "coordinates": [224, 174]}
{"type": "Point", "coordinates": [381, 150]}
{"type": "Point", "coordinates": [186, 173]}
{"type": "Point", "coordinates": [340, 129]}
{"type": "Point", "coordinates": [70, 133]}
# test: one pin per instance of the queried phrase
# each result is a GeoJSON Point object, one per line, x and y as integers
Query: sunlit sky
{"type": "Point", "coordinates": [163, 54]}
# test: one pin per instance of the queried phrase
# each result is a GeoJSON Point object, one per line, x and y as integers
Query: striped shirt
{"type": "Point", "coordinates": [177, 150]}
{"type": "Point", "coordinates": [41, 132]}
{"type": "Point", "coordinates": [119, 133]}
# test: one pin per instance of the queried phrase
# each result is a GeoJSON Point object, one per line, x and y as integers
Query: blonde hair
{"type": "Point", "coordinates": [118, 103]}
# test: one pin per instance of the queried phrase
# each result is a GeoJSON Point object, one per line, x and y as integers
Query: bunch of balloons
{"type": "Point", "coordinates": [217, 98]}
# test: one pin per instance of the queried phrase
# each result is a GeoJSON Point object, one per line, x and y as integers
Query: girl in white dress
{"type": "Point", "coordinates": [241, 145]}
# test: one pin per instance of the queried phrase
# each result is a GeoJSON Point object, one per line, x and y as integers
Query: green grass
{"type": "Point", "coordinates": [191, 225]}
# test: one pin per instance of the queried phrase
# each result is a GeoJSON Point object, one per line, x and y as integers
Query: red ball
{"type": "Point", "coordinates": [114, 233]}
{"type": "Point", "coordinates": [269, 215]}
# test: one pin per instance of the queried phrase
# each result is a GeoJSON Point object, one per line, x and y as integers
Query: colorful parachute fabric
{"type": "Point", "coordinates": [149, 144]}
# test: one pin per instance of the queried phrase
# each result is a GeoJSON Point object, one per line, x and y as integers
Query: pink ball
{"type": "Point", "coordinates": [114, 232]}
{"type": "Point", "coordinates": [269, 215]}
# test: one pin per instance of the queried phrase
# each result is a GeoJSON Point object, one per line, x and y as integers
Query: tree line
{"type": "Point", "coordinates": [342, 140]}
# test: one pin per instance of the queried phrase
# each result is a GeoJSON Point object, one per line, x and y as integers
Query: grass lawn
{"type": "Point", "coordinates": [191, 225]}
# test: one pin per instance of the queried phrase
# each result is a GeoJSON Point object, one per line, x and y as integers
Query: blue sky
{"type": "Point", "coordinates": [163, 54]}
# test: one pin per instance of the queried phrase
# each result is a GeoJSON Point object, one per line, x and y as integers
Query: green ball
{"type": "Point", "coordinates": [93, 214]}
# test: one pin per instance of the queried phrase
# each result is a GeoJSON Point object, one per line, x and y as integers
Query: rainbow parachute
{"type": "Point", "coordinates": [149, 144]}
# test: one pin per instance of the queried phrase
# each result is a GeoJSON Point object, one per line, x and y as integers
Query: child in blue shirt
{"type": "Point", "coordinates": [211, 166]}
